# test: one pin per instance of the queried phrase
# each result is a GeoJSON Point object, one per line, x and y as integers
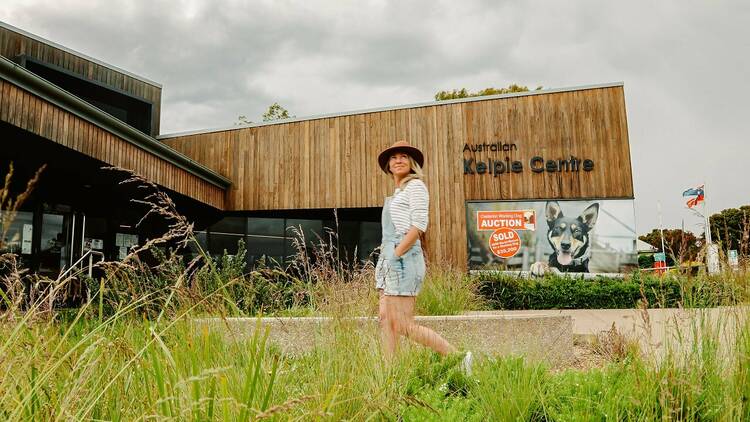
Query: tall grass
{"type": "Point", "coordinates": [128, 368]}
{"type": "Point", "coordinates": [133, 353]}
{"type": "Point", "coordinates": [447, 291]}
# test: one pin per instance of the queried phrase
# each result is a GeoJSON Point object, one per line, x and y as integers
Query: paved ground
{"type": "Point", "coordinates": [656, 330]}
{"type": "Point", "coordinates": [566, 338]}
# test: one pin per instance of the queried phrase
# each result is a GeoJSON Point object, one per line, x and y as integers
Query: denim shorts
{"type": "Point", "coordinates": [400, 276]}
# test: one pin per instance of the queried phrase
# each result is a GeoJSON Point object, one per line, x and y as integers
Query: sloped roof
{"type": "Point", "coordinates": [50, 92]}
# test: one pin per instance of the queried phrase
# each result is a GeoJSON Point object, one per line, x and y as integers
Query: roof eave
{"type": "Point", "coordinates": [396, 107]}
{"type": "Point", "coordinates": [40, 87]}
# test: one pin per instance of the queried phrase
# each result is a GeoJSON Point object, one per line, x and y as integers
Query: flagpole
{"type": "Point", "coordinates": [661, 227]}
{"type": "Point", "coordinates": [705, 215]}
{"type": "Point", "coordinates": [712, 251]}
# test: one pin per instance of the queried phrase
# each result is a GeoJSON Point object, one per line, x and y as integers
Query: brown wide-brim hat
{"type": "Point", "coordinates": [400, 146]}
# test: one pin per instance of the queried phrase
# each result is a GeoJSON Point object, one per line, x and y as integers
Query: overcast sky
{"type": "Point", "coordinates": [685, 65]}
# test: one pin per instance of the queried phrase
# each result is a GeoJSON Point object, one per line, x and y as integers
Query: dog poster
{"type": "Point", "coordinates": [595, 236]}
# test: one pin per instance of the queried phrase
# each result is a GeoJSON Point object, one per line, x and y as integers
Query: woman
{"type": "Point", "coordinates": [401, 268]}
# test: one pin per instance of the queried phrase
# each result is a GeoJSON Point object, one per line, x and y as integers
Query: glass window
{"type": "Point", "coordinates": [53, 249]}
{"type": "Point", "coordinates": [202, 239]}
{"type": "Point", "coordinates": [96, 233]}
{"type": "Point", "coordinates": [311, 230]}
{"type": "Point", "coordinates": [131, 110]}
{"type": "Point", "coordinates": [348, 235]}
{"type": "Point", "coordinates": [18, 232]}
{"type": "Point", "coordinates": [369, 238]}
{"type": "Point", "coordinates": [348, 232]}
{"type": "Point", "coordinates": [230, 225]}
{"type": "Point", "coordinates": [265, 226]}
{"type": "Point", "coordinates": [604, 244]}
{"type": "Point", "coordinates": [270, 247]}
{"type": "Point", "coordinates": [218, 243]}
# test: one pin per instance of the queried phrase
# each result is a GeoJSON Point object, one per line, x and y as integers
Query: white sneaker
{"type": "Point", "coordinates": [466, 363]}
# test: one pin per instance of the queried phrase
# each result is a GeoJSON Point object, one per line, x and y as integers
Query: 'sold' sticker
{"type": "Point", "coordinates": [505, 242]}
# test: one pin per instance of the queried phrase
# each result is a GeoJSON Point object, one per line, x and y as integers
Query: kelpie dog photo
{"type": "Point", "coordinates": [570, 238]}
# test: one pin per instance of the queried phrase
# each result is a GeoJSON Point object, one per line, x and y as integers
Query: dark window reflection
{"type": "Point", "coordinates": [18, 232]}
{"type": "Point", "coordinates": [369, 239]}
{"type": "Point", "coordinates": [218, 243]}
{"type": "Point", "coordinates": [270, 247]}
{"type": "Point", "coordinates": [281, 241]}
{"type": "Point", "coordinates": [230, 225]}
{"type": "Point", "coordinates": [55, 244]}
{"type": "Point", "coordinates": [265, 226]}
{"type": "Point", "coordinates": [309, 230]}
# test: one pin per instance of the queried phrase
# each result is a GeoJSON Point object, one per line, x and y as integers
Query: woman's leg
{"type": "Point", "coordinates": [388, 334]}
{"type": "Point", "coordinates": [400, 310]}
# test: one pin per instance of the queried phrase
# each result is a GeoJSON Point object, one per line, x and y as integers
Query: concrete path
{"type": "Point", "coordinates": [656, 330]}
{"type": "Point", "coordinates": [537, 334]}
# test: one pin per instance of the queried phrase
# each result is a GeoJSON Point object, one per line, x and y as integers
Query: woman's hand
{"type": "Point", "coordinates": [409, 240]}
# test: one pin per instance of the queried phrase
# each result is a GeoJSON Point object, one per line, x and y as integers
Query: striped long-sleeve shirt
{"type": "Point", "coordinates": [409, 207]}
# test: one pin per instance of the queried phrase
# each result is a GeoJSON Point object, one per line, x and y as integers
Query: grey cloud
{"type": "Point", "coordinates": [684, 64]}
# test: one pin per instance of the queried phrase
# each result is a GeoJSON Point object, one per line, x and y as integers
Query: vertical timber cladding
{"type": "Point", "coordinates": [563, 145]}
{"type": "Point", "coordinates": [331, 162]}
{"type": "Point", "coordinates": [35, 115]}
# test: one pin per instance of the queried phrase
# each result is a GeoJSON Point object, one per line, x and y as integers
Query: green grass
{"type": "Point", "coordinates": [130, 368]}
{"type": "Point", "coordinates": [449, 292]}
{"type": "Point", "coordinates": [134, 354]}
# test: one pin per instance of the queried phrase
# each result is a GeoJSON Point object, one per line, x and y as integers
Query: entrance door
{"type": "Point", "coordinates": [61, 241]}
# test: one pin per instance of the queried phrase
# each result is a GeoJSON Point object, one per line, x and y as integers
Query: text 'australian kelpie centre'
{"type": "Point", "coordinates": [537, 164]}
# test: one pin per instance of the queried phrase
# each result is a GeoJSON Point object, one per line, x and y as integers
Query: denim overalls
{"type": "Point", "coordinates": [398, 276]}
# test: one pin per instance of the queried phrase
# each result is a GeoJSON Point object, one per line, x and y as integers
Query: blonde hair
{"type": "Point", "coordinates": [415, 172]}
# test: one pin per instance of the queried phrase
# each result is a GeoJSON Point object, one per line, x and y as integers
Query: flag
{"type": "Point", "coordinates": [694, 191]}
{"type": "Point", "coordinates": [695, 201]}
{"type": "Point", "coordinates": [698, 195]}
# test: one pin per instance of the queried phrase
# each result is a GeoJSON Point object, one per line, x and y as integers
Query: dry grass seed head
{"type": "Point", "coordinates": [613, 345]}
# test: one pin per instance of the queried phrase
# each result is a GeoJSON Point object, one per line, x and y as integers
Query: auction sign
{"type": "Point", "coordinates": [595, 236]}
{"type": "Point", "coordinates": [516, 220]}
{"type": "Point", "coordinates": [504, 241]}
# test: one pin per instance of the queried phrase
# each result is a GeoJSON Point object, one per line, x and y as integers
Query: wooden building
{"type": "Point", "coordinates": [254, 182]}
{"type": "Point", "coordinates": [77, 115]}
{"type": "Point", "coordinates": [330, 162]}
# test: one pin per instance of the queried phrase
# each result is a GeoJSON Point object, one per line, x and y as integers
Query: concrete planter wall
{"type": "Point", "coordinates": [536, 337]}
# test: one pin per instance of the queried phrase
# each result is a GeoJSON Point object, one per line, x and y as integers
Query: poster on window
{"type": "Point", "coordinates": [593, 236]}
{"type": "Point", "coordinates": [28, 231]}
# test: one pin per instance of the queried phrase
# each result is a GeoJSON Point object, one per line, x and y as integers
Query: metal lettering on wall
{"type": "Point", "coordinates": [537, 164]}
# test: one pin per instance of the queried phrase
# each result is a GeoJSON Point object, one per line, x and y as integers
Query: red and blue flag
{"type": "Point", "coordinates": [697, 194]}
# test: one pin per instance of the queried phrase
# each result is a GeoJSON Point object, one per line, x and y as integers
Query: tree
{"type": "Point", "coordinates": [274, 112]}
{"type": "Point", "coordinates": [242, 120]}
{"type": "Point", "coordinates": [731, 228]}
{"type": "Point", "coordinates": [463, 93]}
{"type": "Point", "coordinates": [681, 246]}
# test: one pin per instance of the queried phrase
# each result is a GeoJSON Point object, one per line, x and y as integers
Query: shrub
{"type": "Point", "coordinates": [509, 292]}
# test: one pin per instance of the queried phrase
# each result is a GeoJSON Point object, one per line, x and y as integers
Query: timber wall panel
{"type": "Point", "coordinates": [28, 112]}
{"type": "Point", "coordinates": [331, 162]}
{"type": "Point", "coordinates": [13, 44]}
